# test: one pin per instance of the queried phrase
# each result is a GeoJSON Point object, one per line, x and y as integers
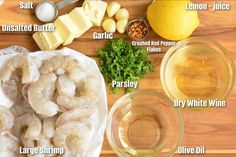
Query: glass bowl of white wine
{"type": "Point", "coordinates": [144, 124]}
{"type": "Point", "coordinates": [197, 68]}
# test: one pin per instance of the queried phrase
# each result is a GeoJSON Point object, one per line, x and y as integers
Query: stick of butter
{"type": "Point", "coordinates": [48, 40]}
{"type": "Point", "coordinates": [95, 10]}
{"type": "Point", "coordinates": [81, 20]}
{"type": "Point", "coordinates": [66, 28]}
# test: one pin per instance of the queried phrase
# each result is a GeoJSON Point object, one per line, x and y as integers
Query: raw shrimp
{"type": "Point", "coordinates": [77, 75]}
{"type": "Point", "coordinates": [6, 119]}
{"type": "Point", "coordinates": [72, 73]}
{"type": "Point", "coordinates": [26, 64]}
{"type": "Point", "coordinates": [29, 123]}
{"type": "Point", "coordinates": [61, 109]}
{"type": "Point", "coordinates": [29, 74]}
{"type": "Point", "coordinates": [88, 95]}
{"type": "Point", "coordinates": [49, 126]}
{"type": "Point", "coordinates": [72, 102]}
{"type": "Point", "coordinates": [20, 109]}
{"type": "Point", "coordinates": [12, 87]}
{"type": "Point", "coordinates": [41, 142]}
{"type": "Point", "coordinates": [36, 155]}
{"type": "Point", "coordinates": [40, 94]}
{"type": "Point", "coordinates": [27, 143]}
{"type": "Point", "coordinates": [70, 154]}
{"type": "Point", "coordinates": [65, 86]}
{"type": "Point", "coordinates": [8, 153]}
{"type": "Point", "coordinates": [24, 90]}
{"type": "Point", "coordinates": [74, 137]}
{"type": "Point", "coordinates": [59, 65]}
{"type": "Point", "coordinates": [75, 114]}
{"type": "Point", "coordinates": [8, 142]}
{"type": "Point", "coordinates": [5, 101]}
{"type": "Point", "coordinates": [44, 142]}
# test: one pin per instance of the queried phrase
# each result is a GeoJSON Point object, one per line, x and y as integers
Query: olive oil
{"type": "Point", "coordinates": [140, 132]}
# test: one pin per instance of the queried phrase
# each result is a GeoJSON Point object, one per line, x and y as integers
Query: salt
{"type": "Point", "coordinates": [45, 12]}
{"type": "Point", "coordinates": [1, 2]}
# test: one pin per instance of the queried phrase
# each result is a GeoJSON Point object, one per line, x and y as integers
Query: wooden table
{"type": "Point", "coordinates": [215, 129]}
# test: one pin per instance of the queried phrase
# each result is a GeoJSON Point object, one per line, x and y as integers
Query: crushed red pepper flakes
{"type": "Point", "coordinates": [137, 30]}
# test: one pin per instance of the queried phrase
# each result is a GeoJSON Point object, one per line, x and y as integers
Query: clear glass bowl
{"type": "Point", "coordinates": [144, 124]}
{"type": "Point", "coordinates": [197, 68]}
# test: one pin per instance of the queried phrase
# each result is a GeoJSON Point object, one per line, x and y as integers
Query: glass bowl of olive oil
{"type": "Point", "coordinates": [144, 124]}
{"type": "Point", "coordinates": [197, 68]}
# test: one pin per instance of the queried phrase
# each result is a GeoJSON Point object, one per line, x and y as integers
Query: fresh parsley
{"type": "Point", "coordinates": [121, 61]}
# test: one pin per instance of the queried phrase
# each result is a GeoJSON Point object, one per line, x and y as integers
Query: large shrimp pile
{"type": "Point", "coordinates": [46, 105]}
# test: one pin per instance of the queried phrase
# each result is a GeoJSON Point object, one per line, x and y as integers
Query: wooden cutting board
{"type": "Point", "coordinates": [214, 129]}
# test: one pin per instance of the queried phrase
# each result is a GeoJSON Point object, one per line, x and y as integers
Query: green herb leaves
{"type": "Point", "coordinates": [121, 61]}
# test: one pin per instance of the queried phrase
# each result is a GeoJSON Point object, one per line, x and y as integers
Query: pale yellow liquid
{"type": "Point", "coordinates": [140, 132]}
{"type": "Point", "coordinates": [197, 72]}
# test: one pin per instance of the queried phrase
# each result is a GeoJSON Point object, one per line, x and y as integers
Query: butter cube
{"type": "Point", "coordinates": [48, 40]}
{"type": "Point", "coordinates": [96, 10]}
{"type": "Point", "coordinates": [81, 20]}
{"type": "Point", "coordinates": [66, 28]}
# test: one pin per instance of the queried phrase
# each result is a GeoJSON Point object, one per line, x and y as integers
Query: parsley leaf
{"type": "Point", "coordinates": [121, 61]}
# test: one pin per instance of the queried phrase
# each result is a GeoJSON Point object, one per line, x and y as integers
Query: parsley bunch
{"type": "Point", "coordinates": [121, 61]}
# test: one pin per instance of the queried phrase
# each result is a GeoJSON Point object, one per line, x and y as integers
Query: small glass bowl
{"type": "Point", "coordinates": [144, 124]}
{"type": "Point", "coordinates": [204, 50]}
{"type": "Point", "coordinates": [137, 20]}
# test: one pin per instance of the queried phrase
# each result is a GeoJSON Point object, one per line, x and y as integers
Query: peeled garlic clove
{"type": "Point", "coordinates": [121, 25]}
{"type": "Point", "coordinates": [112, 8]}
{"type": "Point", "coordinates": [109, 25]}
{"type": "Point", "coordinates": [122, 14]}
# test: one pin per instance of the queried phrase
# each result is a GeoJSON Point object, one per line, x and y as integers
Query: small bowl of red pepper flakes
{"type": "Point", "coordinates": [137, 29]}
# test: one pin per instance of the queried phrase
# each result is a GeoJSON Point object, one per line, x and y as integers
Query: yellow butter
{"type": "Point", "coordinates": [66, 28]}
{"type": "Point", "coordinates": [81, 20]}
{"type": "Point", "coordinates": [47, 40]}
{"type": "Point", "coordinates": [96, 10]}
